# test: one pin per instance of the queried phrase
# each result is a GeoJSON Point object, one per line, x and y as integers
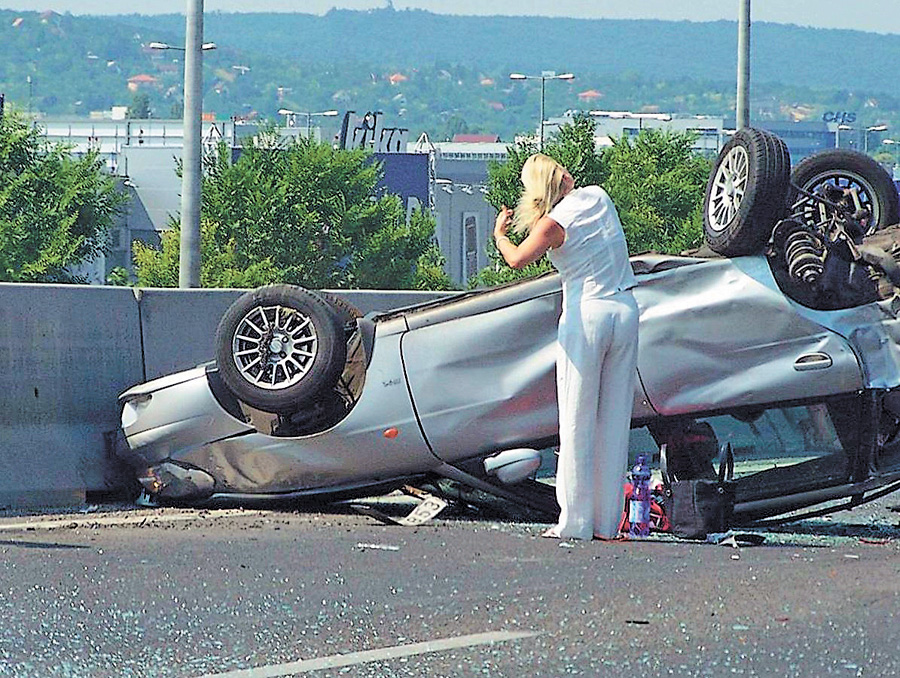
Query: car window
{"type": "Point", "coordinates": [777, 450]}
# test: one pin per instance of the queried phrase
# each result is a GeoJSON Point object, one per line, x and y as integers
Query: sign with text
{"type": "Point", "coordinates": [371, 133]}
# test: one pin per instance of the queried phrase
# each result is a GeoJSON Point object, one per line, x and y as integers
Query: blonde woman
{"type": "Point", "coordinates": [580, 231]}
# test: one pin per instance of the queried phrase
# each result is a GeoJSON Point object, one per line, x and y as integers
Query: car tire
{"type": "Point", "coordinates": [746, 193]}
{"type": "Point", "coordinates": [345, 312]}
{"type": "Point", "coordinates": [279, 347]}
{"type": "Point", "coordinates": [847, 169]}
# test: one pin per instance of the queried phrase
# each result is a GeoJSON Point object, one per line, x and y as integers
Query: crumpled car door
{"type": "Point", "coordinates": [720, 334]}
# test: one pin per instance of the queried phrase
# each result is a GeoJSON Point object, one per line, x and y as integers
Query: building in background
{"type": "Point", "coordinates": [450, 178]}
{"type": "Point", "coordinates": [144, 155]}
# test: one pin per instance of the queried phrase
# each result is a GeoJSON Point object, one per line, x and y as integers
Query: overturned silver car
{"type": "Point", "coordinates": [308, 400]}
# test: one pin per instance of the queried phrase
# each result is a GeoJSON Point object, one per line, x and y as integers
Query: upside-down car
{"type": "Point", "coordinates": [785, 342]}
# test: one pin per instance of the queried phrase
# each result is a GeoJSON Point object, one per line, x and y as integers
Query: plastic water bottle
{"type": "Point", "coordinates": [639, 506]}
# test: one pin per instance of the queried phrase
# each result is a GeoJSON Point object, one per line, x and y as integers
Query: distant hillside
{"type": "Point", "coordinates": [790, 55]}
{"type": "Point", "coordinates": [442, 74]}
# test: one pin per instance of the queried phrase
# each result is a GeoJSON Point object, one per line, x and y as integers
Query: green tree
{"type": "Point", "coordinates": [220, 267]}
{"type": "Point", "coordinates": [55, 209]}
{"type": "Point", "coordinates": [657, 184]}
{"type": "Point", "coordinates": [301, 213]}
{"type": "Point", "coordinates": [655, 180]}
{"type": "Point", "coordinates": [140, 107]}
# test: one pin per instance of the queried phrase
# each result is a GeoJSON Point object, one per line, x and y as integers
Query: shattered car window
{"type": "Point", "coordinates": [776, 450]}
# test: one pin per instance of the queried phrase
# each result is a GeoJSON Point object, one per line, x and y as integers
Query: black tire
{"type": "Point", "coordinates": [746, 193]}
{"type": "Point", "coordinates": [279, 347]}
{"type": "Point", "coordinates": [843, 168]}
{"type": "Point", "coordinates": [346, 312]}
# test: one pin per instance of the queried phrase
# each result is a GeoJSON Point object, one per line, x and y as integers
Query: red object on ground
{"type": "Point", "coordinates": [659, 522]}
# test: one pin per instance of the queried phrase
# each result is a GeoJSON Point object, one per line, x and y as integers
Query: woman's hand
{"type": "Point", "coordinates": [545, 234]}
{"type": "Point", "coordinates": [502, 224]}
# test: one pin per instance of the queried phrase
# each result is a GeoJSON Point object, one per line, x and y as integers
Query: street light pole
{"type": "Point", "coordinates": [541, 132]}
{"type": "Point", "coordinates": [192, 157]}
{"type": "Point", "coordinates": [543, 77]}
{"type": "Point", "coordinates": [288, 114]}
{"type": "Point", "coordinates": [743, 69]}
{"type": "Point", "coordinates": [837, 134]}
{"type": "Point", "coordinates": [192, 147]}
{"type": "Point", "coordinates": [873, 128]}
{"type": "Point", "coordinates": [309, 116]}
{"type": "Point", "coordinates": [892, 144]}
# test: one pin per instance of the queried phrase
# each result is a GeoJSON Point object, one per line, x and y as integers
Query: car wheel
{"type": "Point", "coordinates": [345, 312]}
{"type": "Point", "coordinates": [279, 347]}
{"type": "Point", "coordinates": [865, 183]}
{"type": "Point", "coordinates": [746, 193]}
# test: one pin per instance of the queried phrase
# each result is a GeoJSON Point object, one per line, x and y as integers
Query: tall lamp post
{"type": "Point", "coordinates": [742, 107]}
{"type": "Point", "coordinates": [892, 145]}
{"type": "Point", "coordinates": [192, 153]}
{"type": "Point", "coordinates": [837, 134]}
{"type": "Point", "coordinates": [288, 114]}
{"type": "Point", "coordinates": [873, 128]}
{"type": "Point", "coordinates": [543, 77]}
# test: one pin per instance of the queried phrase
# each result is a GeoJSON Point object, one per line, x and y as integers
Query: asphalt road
{"type": "Point", "coordinates": [123, 591]}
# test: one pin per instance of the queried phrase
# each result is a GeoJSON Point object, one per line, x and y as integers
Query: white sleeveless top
{"type": "Point", "coordinates": [594, 250]}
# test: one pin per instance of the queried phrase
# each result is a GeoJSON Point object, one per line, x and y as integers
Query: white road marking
{"type": "Point", "coordinates": [339, 660]}
{"type": "Point", "coordinates": [149, 519]}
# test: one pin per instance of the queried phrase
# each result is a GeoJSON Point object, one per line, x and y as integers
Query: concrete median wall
{"type": "Point", "coordinates": [67, 351]}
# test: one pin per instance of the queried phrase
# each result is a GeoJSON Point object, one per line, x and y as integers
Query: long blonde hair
{"type": "Point", "coordinates": [542, 177]}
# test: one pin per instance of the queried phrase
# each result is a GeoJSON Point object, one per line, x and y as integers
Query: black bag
{"type": "Point", "coordinates": [698, 507]}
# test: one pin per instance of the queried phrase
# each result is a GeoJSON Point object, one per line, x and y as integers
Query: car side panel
{"type": "Point", "coordinates": [355, 450]}
{"type": "Point", "coordinates": [487, 381]}
{"type": "Point", "coordinates": [720, 335]}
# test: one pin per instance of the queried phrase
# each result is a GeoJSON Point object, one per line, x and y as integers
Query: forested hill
{"type": "Point", "coordinates": [441, 74]}
{"type": "Point", "coordinates": [665, 49]}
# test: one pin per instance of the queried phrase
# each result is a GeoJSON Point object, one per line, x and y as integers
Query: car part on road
{"type": "Point", "coordinates": [513, 466]}
{"type": "Point", "coordinates": [865, 189]}
{"type": "Point", "coordinates": [279, 348]}
{"type": "Point", "coordinates": [746, 193]}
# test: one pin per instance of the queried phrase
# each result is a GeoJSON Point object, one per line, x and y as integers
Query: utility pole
{"type": "Point", "coordinates": [742, 113]}
{"type": "Point", "coordinates": [191, 176]}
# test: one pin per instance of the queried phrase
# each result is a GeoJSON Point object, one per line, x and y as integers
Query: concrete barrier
{"type": "Point", "coordinates": [67, 351]}
{"type": "Point", "coordinates": [179, 326]}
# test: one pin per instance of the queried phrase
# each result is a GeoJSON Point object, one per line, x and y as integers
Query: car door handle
{"type": "Point", "coordinates": [813, 361]}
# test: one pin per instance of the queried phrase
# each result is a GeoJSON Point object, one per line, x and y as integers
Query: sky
{"type": "Point", "coordinates": [880, 16]}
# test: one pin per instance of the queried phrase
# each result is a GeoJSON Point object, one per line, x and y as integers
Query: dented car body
{"type": "Point", "coordinates": [445, 389]}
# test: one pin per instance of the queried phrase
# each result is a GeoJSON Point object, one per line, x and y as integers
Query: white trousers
{"type": "Point", "coordinates": [595, 376]}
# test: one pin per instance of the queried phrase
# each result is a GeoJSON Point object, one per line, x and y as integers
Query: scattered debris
{"type": "Point", "coordinates": [735, 539]}
{"type": "Point", "coordinates": [428, 508]}
{"type": "Point", "coordinates": [146, 501]}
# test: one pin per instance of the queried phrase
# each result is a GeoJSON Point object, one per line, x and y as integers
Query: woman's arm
{"type": "Point", "coordinates": [544, 235]}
